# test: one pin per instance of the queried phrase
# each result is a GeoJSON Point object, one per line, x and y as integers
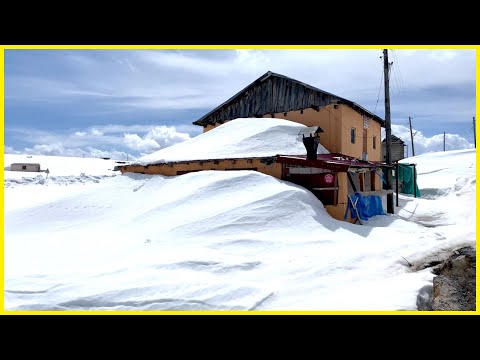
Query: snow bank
{"type": "Point", "coordinates": [26, 189]}
{"type": "Point", "coordinates": [248, 137]}
{"type": "Point", "coordinates": [58, 166]}
{"type": "Point", "coordinates": [237, 240]}
{"type": "Point", "coordinates": [439, 173]}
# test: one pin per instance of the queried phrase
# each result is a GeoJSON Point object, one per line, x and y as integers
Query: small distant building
{"type": "Point", "coordinates": [398, 149]}
{"type": "Point", "coordinates": [28, 167]}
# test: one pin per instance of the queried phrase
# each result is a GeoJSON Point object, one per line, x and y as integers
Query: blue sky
{"type": "Point", "coordinates": [114, 102]}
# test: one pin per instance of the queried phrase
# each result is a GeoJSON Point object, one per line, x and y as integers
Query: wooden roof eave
{"type": "Point", "coordinates": [205, 120]}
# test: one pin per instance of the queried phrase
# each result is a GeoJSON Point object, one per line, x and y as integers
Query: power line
{"type": "Point", "coordinates": [378, 96]}
{"type": "Point", "coordinates": [399, 71]}
{"type": "Point", "coordinates": [398, 91]}
{"type": "Point", "coordinates": [400, 77]}
{"type": "Point", "coordinates": [399, 85]}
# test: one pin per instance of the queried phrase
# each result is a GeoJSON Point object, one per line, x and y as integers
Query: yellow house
{"type": "Point", "coordinates": [347, 127]}
{"type": "Point", "coordinates": [348, 131]}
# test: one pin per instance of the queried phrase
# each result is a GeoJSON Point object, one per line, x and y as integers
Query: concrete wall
{"type": "Point", "coordinates": [398, 151]}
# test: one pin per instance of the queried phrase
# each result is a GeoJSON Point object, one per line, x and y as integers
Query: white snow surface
{"type": "Point", "coordinates": [232, 240]}
{"type": "Point", "coordinates": [239, 138]}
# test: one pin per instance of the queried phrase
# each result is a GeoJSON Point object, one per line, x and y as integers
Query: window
{"type": "Point", "coordinates": [24, 167]}
{"type": "Point", "coordinates": [374, 142]}
{"type": "Point", "coordinates": [352, 136]}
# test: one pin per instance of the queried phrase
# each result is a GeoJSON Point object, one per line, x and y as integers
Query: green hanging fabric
{"type": "Point", "coordinates": [405, 176]}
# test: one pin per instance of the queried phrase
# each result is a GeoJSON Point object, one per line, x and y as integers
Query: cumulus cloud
{"type": "Point", "coordinates": [11, 150]}
{"type": "Point", "coordinates": [61, 150]}
{"type": "Point", "coordinates": [157, 138]}
{"type": "Point", "coordinates": [89, 142]}
{"type": "Point", "coordinates": [201, 79]}
{"type": "Point", "coordinates": [425, 144]}
{"type": "Point", "coordinates": [137, 143]}
{"type": "Point", "coordinates": [96, 132]}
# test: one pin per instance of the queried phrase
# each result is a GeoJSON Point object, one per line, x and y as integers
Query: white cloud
{"type": "Point", "coordinates": [434, 84]}
{"type": "Point", "coordinates": [157, 138]}
{"type": "Point", "coordinates": [424, 144]}
{"type": "Point", "coordinates": [137, 143]}
{"type": "Point", "coordinates": [11, 150]}
{"type": "Point", "coordinates": [96, 132]}
{"type": "Point", "coordinates": [60, 150]}
{"type": "Point", "coordinates": [86, 142]}
{"type": "Point", "coordinates": [162, 79]}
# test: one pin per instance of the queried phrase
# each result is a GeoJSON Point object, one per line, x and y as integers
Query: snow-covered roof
{"type": "Point", "coordinates": [239, 138]}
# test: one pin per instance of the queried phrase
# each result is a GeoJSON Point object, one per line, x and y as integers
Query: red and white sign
{"type": "Point", "coordinates": [328, 178]}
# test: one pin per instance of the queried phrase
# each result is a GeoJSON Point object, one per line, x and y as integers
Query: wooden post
{"type": "Point", "coordinates": [335, 191]}
{"type": "Point", "coordinates": [388, 131]}
{"type": "Point", "coordinates": [411, 136]}
{"type": "Point", "coordinates": [372, 180]}
{"type": "Point", "coordinates": [362, 182]}
{"type": "Point", "coordinates": [474, 133]}
{"type": "Point", "coordinates": [396, 180]}
{"type": "Point", "coordinates": [414, 180]}
{"type": "Point", "coordinates": [351, 181]}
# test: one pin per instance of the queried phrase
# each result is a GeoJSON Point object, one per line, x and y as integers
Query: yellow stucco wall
{"type": "Point", "coordinates": [336, 122]}
{"type": "Point", "coordinates": [326, 118]}
{"type": "Point", "coordinates": [274, 169]}
{"type": "Point", "coordinates": [353, 119]}
{"type": "Point", "coordinates": [209, 127]}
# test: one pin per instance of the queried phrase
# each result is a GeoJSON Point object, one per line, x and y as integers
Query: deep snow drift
{"type": "Point", "coordinates": [237, 139]}
{"type": "Point", "coordinates": [233, 240]}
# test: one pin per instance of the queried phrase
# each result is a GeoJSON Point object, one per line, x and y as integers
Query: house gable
{"type": "Point", "coordinates": [274, 93]}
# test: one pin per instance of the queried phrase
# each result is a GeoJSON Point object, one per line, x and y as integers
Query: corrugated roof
{"type": "Point", "coordinates": [334, 161]}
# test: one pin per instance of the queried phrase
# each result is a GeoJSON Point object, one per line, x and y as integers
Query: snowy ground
{"type": "Point", "coordinates": [234, 240]}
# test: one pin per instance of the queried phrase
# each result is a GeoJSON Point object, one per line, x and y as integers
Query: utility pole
{"type": "Point", "coordinates": [411, 135]}
{"type": "Point", "coordinates": [388, 131]}
{"type": "Point", "coordinates": [474, 133]}
{"type": "Point", "coordinates": [444, 141]}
